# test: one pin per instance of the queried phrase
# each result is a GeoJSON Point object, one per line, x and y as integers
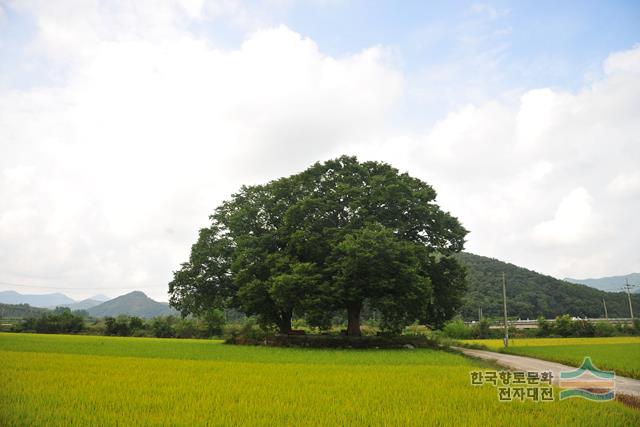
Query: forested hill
{"type": "Point", "coordinates": [132, 304]}
{"type": "Point", "coordinates": [531, 294]}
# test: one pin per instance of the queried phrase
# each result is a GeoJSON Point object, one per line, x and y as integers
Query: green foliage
{"type": "Point", "coordinates": [456, 328]}
{"type": "Point", "coordinates": [21, 311]}
{"type": "Point", "coordinates": [162, 327]}
{"type": "Point", "coordinates": [545, 328]}
{"type": "Point", "coordinates": [417, 330]}
{"type": "Point", "coordinates": [449, 282]}
{"type": "Point", "coordinates": [582, 328]}
{"type": "Point", "coordinates": [136, 323]}
{"type": "Point", "coordinates": [214, 321]}
{"type": "Point", "coordinates": [117, 326]}
{"type": "Point", "coordinates": [481, 329]}
{"type": "Point", "coordinates": [604, 329]}
{"type": "Point", "coordinates": [342, 235]}
{"type": "Point", "coordinates": [60, 321]}
{"type": "Point", "coordinates": [563, 326]}
{"type": "Point", "coordinates": [373, 265]}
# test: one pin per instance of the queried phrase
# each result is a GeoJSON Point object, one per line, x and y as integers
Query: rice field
{"type": "Point", "coordinates": [57, 380]}
{"type": "Point", "coordinates": [620, 354]}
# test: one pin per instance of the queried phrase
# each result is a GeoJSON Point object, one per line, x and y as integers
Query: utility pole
{"type": "Point", "coordinates": [480, 314]}
{"type": "Point", "coordinates": [606, 315]}
{"type": "Point", "coordinates": [504, 305]}
{"type": "Point", "coordinates": [627, 287]}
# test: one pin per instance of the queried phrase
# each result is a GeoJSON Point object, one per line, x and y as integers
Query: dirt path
{"type": "Point", "coordinates": [624, 385]}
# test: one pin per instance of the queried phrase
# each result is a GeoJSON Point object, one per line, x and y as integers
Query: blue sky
{"type": "Point", "coordinates": [534, 43]}
{"type": "Point", "coordinates": [123, 124]}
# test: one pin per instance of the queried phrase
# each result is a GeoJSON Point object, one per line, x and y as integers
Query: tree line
{"type": "Point", "coordinates": [563, 326]}
{"type": "Point", "coordinates": [63, 320]}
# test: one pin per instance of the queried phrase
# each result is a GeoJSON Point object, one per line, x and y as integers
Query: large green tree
{"type": "Point", "coordinates": [336, 236]}
{"type": "Point", "coordinates": [372, 265]}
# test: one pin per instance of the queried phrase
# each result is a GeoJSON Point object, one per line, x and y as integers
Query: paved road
{"type": "Point", "coordinates": [624, 385]}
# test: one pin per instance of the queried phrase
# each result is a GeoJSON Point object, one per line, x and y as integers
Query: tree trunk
{"type": "Point", "coordinates": [285, 322]}
{"type": "Point", "coordinates": [353, 315]}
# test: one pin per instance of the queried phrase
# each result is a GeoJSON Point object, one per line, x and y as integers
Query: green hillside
{"type": "Point", "coordinates": [133, 304]}
{"type": "Point", "coordinates": [84, 304]}
{"type": "Point", "coordinates": [531, 294]}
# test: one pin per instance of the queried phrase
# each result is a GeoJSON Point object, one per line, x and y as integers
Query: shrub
{"type": "Point", "coordinates": [162, 327]}
{"type": "Point", "coordinates": [369, 330]}
{"type": "Point", "coordinates": [189, 328]}
{"type": "Point", "coordinates": [119, 326]}
{"type": "Point", "coordinates": [481, 329]}
{"type": "Point", "coordinates": [544, 327]}
{"type": "Point", "coordinates": [456, 328]}
{"type": "Point", "coordinates": [417, 330]}
{"type": "Point", "coordinates": [136, 323]}
{"type": "Point", "coordinates": [582, 328]}
{"type": "Point", "coordinates": [214, 321]}
{"type": "Point", "coordinates": [604, 329]}
{"type": "Point", "coordinates": [563, 325]}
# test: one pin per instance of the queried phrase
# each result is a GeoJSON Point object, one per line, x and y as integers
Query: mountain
{"type": "Point", "coordinates": [611, 283]}
{"type": "Point", "coordinates": [100, 297]}
{"type": "Point", "coordinates": [43, 300]}
{"type": "Point", "coordinates": [85, 304]}
{"type": "Point", "coordinates": [133, 304]}
{"type": "Point", "coordinates": [531, 294]}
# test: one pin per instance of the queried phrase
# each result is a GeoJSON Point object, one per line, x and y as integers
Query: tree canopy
{"type": "Point", "coordinates": [336, 236]}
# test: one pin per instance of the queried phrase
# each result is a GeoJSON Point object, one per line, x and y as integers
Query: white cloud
{"type": "Point", "coordinates": [106, 174]}
{"type": "Point", "coordinates": [538, 181]}
{"type": "Point", "coordinates": [572, 223]}
{"type": "Point", "coordinates": [623, 62]}
{"type": "Point", "coordinates": [626, 184]}
{"type": "Point", "coordinates": [106, 177]}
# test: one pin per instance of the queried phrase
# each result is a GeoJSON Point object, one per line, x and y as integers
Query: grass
{"type": "Point", "coordinates": [620, 354]}
{"type": "Point", "coordinates": [57, 380]}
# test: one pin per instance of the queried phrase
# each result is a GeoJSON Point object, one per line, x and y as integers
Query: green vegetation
{"type": "Point", "coordinates": [620, 354]}
{"type": "Point", "coordinates": [59, 380]}
{"type": "Point", "coordinates": [63, 320]}
{"type": "Point", "coordinates": [338, 237]}
{"type": "Point", "coordinates": [531, 294]}
{"type": "Point", "coordinates": [60, 321]}
{"type": "Point", "coordinates": [20, 311]}
{"type": "Point", "coordinates": [562, 326]}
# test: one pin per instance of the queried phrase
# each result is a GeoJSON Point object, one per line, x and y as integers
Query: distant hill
{"type": "Point", "coordinates": [133, 304]}
{"type": "Point", "coordinates": [611, 283]}
{"type": "Point", "coordinates": [84, 304]}
{"type": "Point", "coordinates": [100, 297]}
{"type": "Point", "coordinates": [43, 300]}
{"type": "Point", "coordinates": [530, 294]}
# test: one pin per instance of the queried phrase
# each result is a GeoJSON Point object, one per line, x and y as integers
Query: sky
{"type": "Point", "coordinates": [124, 124]}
